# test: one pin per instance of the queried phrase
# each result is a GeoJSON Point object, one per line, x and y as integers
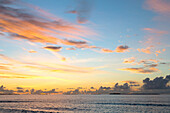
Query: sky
{"type": "Point", "coordinates": [82, 43]}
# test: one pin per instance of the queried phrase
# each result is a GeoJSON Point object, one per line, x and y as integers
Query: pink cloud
{"type": "Point", "coordinates": [159, 6]}
{"type": "Point", "coordinates": [152, 30]}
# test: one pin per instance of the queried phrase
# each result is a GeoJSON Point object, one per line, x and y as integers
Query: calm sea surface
{"type": "Point", "coordinates": [85, 103]}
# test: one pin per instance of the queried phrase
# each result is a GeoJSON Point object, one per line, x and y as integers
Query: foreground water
{"type": "Point", "coordinates": [84, 103]}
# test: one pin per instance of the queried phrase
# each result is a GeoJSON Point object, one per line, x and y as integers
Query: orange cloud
{"type": "Point", "coordinates": [147, 50]}
{"type": "Point", "coordinates": [32, 51]}
{"type": "Point", "coordinates": [16, 75]}
{"type": "Point", "coordinates": [153, 60]}
{"type": "Point", "coordinates": [39, 26]}
{"type": "Point", "coordinates": [129, 60]}
{"type": "Point", "coordinates": [163, 50]}
{"type": "Point", "coordinates": [4, 68]}
{"type": "Point", "coordinates": [158, 51]}
{"type": "Point", "coordinates": [107, 50]}
{"type": "Point", "coordinates": [121, 49]}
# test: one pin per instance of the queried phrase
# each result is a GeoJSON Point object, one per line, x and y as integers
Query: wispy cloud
{"type": "Point", "coordinates": [5, 74]}
{"type": "Point", "coordinates": [159, 6]}
{"type": "Point", "coordinates": [36, 69]}
{"type": "Point", "coordinates": [107, 50]}
{"type": "Point", "coordinates": [141, 70]}
{"type": "Point", "coordinates": [37, 26]}
{"type": "Point", "coordinates": [152, 30]}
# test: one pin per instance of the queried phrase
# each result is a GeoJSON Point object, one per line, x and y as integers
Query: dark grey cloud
{"type": "Point", "coordinates": [92, 88]}
{"type": "Point", "coordinates": [19, 88]}
{"type": "Point", "coordinates": [53, 48]}
{"type": "Point", "coordinates": [132, 83]}
{"type": "Point", "coordinates": [121, 48]}
{"type": "Point", "coordinates": [82, 10]}
{"type": "Point", "coordinates": [20, 91]}
{"type": "Point", "coordinates": [71, 42]}
{"type": "Point", "coordinates": [39, 92]}
{"type": "Point", "coordinates": [125, 86]}
{"type": "Point", "coordinates": [104, 88]}
{"type": "Point", "coordinates": [26, 90]}
{"type": "Point", "coordinates": [157, 83]}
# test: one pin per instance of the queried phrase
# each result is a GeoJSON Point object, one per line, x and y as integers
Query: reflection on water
{"type": "Point", "coordinates": [84, 103]}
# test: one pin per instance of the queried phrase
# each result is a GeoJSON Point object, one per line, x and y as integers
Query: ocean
{"type": "Point", "coordinates": [85, 103]}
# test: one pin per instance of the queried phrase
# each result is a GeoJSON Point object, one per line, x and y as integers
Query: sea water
{"type": "Point", "coordinates": [85, 103]}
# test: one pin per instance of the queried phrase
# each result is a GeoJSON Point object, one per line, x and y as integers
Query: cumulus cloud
{"type": "Point", "coordinates": [118, 87]}
{"type": "Point", "coordinates": [53, 48]}
{"type": "Point", "coordinates": [157, 83]}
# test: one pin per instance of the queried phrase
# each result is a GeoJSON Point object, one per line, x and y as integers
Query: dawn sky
{"type": "Point", "coordinates": [47, 44]}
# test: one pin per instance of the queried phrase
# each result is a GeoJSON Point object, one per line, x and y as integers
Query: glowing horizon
{"type": "Point", "coordinates": [69, 44]}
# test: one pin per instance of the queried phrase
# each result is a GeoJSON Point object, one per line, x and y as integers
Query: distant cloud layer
{"type": "Point", "coordinates": [157, 85]}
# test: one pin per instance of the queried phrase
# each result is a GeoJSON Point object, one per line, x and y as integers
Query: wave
{"type": "Point", "coordinates": [66, 109]}
{"type": "Point", "coordinates": [23, 111]}
{"type": "Point", "coordinates": [134, 104]}
{"type": "Point", "coordinates": [41, 110]}
{"type": "Point", "coordinates": [14, 101]}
